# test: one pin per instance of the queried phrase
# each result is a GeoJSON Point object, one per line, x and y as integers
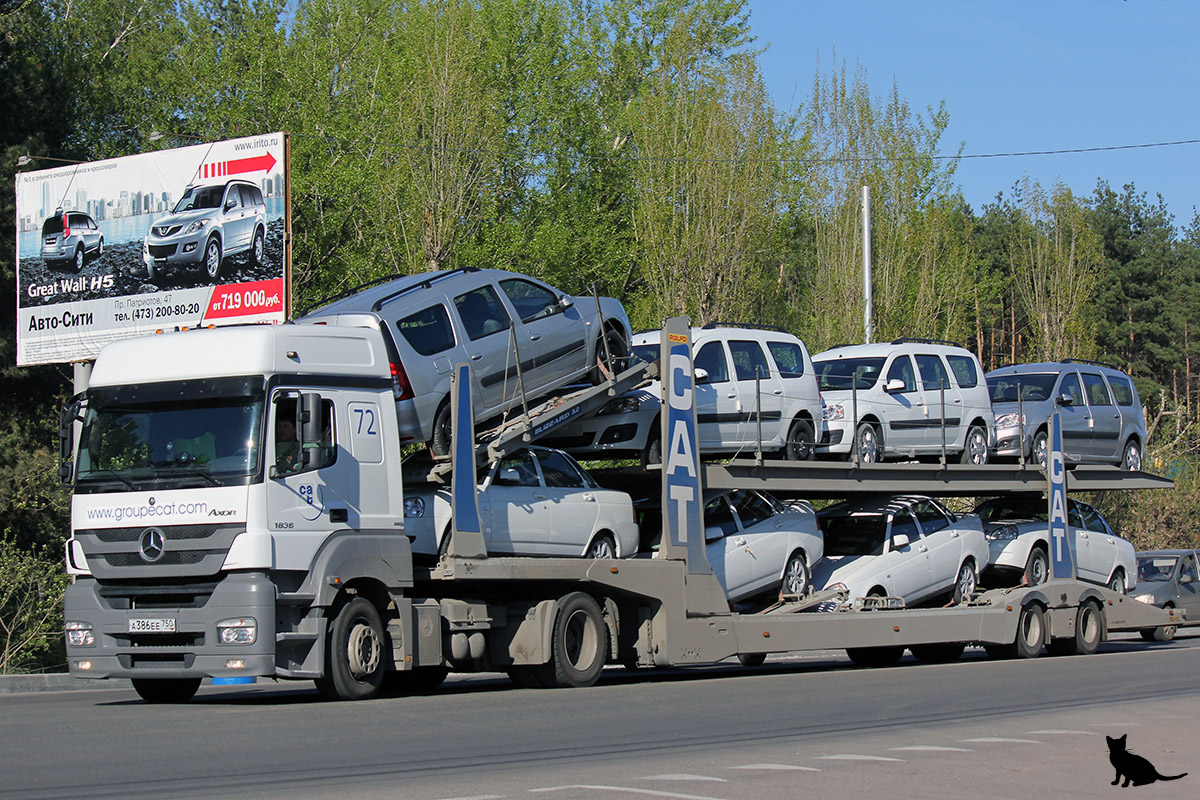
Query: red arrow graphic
{"type": "Point", "coordinates": [238, 166]}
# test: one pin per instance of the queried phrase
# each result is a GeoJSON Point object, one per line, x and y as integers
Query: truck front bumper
{"type": "Point", "coordinates": [130, 628]}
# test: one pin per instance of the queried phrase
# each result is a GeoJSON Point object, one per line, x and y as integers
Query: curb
{"type": "Point", "coordinates": [56, 682]}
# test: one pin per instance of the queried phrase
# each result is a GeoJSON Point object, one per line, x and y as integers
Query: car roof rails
{"type": "Point", "coordinates": [362, 287]}
{"type": "Point", "coordinates": [425, 284]}
{"type": "Point", "coordinates": [748, 325]}
{"type": "Point", "coordinates": [840, 346]}
{"type": "Point", "coordinates": [1093, 363]}
{"type": "Point", "coordinates": [919, 340]}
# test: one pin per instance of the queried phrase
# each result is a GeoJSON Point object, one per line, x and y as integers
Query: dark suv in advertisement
{"type": "Point", "coordinates": [207, 225]}
{"type": "Point", "coordinates": [70, 238]}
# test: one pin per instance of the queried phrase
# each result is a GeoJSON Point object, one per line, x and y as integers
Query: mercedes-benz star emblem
{"type": "Point", "coordinates": [152, 544]}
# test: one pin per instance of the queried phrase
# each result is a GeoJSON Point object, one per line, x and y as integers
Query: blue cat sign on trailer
{"type": "Point", "coordinates": [1062, 559]}
{"type": "Point", "coordinates": [307, 573]}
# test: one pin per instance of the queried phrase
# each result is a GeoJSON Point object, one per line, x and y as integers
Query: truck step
{"type": "Point", "coordinates": [296, 636]}
{"type": "Point", "coordinates": [296, 598]}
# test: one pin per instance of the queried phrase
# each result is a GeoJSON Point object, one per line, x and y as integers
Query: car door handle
{"type": "Point", "coordinates": [954, 535]}
{"type": "Point", "coordinates": [589, 497]}
{"type": "Point", "coordinates": [535, 337]}
{"type": "Point", "coordinates": [923, 549]}
{"type": "Point", "coordinates": [476, 356]}
{"type": "Point", "coordinates": [740, 541]}
{"type": "Point", "coordinates": [539, 497]}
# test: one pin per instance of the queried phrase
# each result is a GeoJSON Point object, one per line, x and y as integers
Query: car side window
{"type": "Point", "coordinates": [558, 472]}
{"type": "Point", "coordinates": [517, 470]}
{"type": "Point", "coordinates": [933, 372]}
{"type": "Point", "coordinates": [903, 522]}
{"type": "Point", "coordinates": [1097, 392]}
{"type": "Point", "coordinates": [1189, 568]}
{"type": "Point", "coordinates": [289, 455]}
{"type": "Point", "coordinates": [931, 517]}
{"type": "Point", "coordinates": [964, 371]}
{"type": "Point", "coordinates": [1074, 518]}
{"type": "Point", "coordinates": [718, 514]}
{"type": "Point", "coordinates": [789, 358]}
{"type": "Point", "coordinates": [749, 360]}
{"type": "Point", "coordinates": [711, 359]}
{"type": "Point", "coordinates": [1122, 390]}
{"type": "Point", "coordinates": [902, 370]}
{"type": "Point", "coordinates": [752, 508]}
{"type": "Point", "coordinates": [233, 198]}
{"type": "Point", "coordinates": [247, 195]}
{"type": "Point", "coordinates": [481, 312]}
{"type": "Point", "coordinates": [428, 331]}
{"type": "Point", "coordinates": [1071, 388]}
{"type": "Point", "coordinates": [1093, 521]}
{"type": "Point", "coordinates": [530, 300]}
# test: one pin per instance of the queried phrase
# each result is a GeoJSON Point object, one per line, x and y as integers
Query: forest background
{"type": "Point", "coordinates": [629, 145]}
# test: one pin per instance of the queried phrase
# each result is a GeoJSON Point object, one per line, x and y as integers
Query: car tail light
{"type": "Point", "coordinates": [66, 227]}
{"type": "Point", "coordinates": [400, 385]}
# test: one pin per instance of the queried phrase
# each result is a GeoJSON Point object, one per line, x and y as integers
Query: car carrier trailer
{"type": "Point", "coordinates": [309, 575]}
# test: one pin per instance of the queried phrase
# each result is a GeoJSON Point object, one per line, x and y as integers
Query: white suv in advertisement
{"type": "Point", "coordinates": [748, 380]}
{"type": "Point", "coordinates": [207, 225]}
{"type": "Point", "coordinates": [906, 398]}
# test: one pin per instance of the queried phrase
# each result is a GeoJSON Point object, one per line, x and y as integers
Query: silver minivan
{"type": "Point", "coordinates": [207, 225]}
{"type": "Point", "coordinates": [1102, 420]}
{"type": "Point", "coordinates": [516, 333]}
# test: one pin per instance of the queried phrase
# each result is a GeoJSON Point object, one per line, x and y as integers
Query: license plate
{"type": "Point", "coordinates": [160, 625]}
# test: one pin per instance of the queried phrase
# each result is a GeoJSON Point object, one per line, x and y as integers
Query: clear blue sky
{"type": "Point", "coordinates": [1017, 76]}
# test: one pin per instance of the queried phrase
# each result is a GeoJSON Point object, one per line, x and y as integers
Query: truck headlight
{"type": "Point", "coordinates": [620, 405]}
{"type": "Point", "coordinates": [243, 630]}
{"type": "Point", "coordinates": [1148, 599]}
{"type": "Point", "coordinates": [1009, 420]}
{"type": "Point", "coordinates": [834, 412]}
{"type": "Point", "coordinates": [80, 634]}
{"type": "Point", "coordinates": [414, 506]}
{"type": "Point", "coordinates": [1001, 533]}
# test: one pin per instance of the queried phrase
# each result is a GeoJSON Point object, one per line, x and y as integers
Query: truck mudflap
{"type": "Point", "coordinates": [225, 628]}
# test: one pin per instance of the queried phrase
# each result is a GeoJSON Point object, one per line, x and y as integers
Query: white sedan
{"type": "Point", "coordinates": [1019, 538]}
{"type": "Point", "coordinates": [909, 547]}
{"type": "Point", "coordinates": [535, 502]}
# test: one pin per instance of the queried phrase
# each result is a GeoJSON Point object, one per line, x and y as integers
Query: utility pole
{"type": "Point", "coordinates": [867, 327]}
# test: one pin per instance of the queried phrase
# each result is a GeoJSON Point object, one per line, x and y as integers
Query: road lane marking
{"type": "Point", "coordinates": [683, 776]}
{"type": "Point", "coordinates": [1001, 740]}
{"type": "Point", "coordinates": [857, 757]}
{"type": "Point", "coordinates": [777, 766]}
{"type": "Point", "coordinates": [933, 748]}
{"type": "Point", "coordinates": [1057, 732]}
{"type": "Point", "coordinates": [625, 790]}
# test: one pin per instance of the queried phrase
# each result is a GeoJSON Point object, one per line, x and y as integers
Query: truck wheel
{"type": "Point", "coordinates": [166, 690]}
{"type": "Point", "coordinates": [1037, 568]}
{"type": "Point", "coordinates": [752, 659]}
{"type": "Point", "coordinates": [801, 442]}
{"type": "Point", "coordinates": [212, 259]}
{"type": "Point", "coordinates": [579, 644]}
{"type": "Point", "coordinates": [354, 657]}
{"type": "Point", "coordinates": [795, 576]}
{"type": "Point", "coordinates": [937, 653]}
{"type": "Point", "coordinates": [875, 656]}
{"type": "Point", "coordinates": [1031, 634]}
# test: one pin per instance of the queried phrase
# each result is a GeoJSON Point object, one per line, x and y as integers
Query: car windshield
{"type": "Point", "coordinates": [646, 352]}
{"type": "Point", "coordinates": [839, 373]}
{"type": "Point", "coordinates": [1156, 568]}
{"type": "Point", "coordinates": [1033, 508]}
{"type": "Point", "coordinates": [162, 442]}
{"type": "Point", "coordinates": [854, 535]}
{"type": "Point", "coordinates": [200, 197]}
{"type": "Point", "coordinates": [1033, 387]}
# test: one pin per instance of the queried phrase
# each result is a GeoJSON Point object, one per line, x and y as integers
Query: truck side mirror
{"type": "Point", "coordinates": [67, 418]}
{"type": "Point", "coordinates": [310, 429]}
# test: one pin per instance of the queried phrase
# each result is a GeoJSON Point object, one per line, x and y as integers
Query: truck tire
{"type": "Point", "coordinates": [875, 656]}
{"type": "Point", "coordinates": [1089, 631]}
{"type": "Point", "coordinates": [752, 659]}
{"type": "Point", "coordinates": [166, 690]}
{"type": "Point", "coordinates": [1031, 634]}
{"type": "Point", "coordinates": [579, 644]}
{"type": "Point", "coordinates": [355, 653]}
{"type": "Point", "coordinates": [937, 653]}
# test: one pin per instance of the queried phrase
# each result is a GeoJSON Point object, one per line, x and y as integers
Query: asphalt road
{"type": "Point", "coordinates": [808, 726]}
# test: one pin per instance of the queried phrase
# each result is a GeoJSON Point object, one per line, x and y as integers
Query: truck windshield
{"type": "Point", "coordinates": [159, 442]}
{"type": "Point", "coordinates": [838, 374]}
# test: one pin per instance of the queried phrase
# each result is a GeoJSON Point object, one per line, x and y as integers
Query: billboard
{"type": "Point", "coordinates": [157, 241]}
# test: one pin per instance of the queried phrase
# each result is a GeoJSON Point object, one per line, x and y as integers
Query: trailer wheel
{"type": "Point", "coordinates": [166, 690]}
{"type": "Point", "coordinates": [354, 657]}
{"type": "Point", "coordinates": [937, 653]}
{"type": "Point", "coordinates": [579, 643]}
{"type": "Point", "coordinates": [752, 659]}
{"type": "Point", "coordinates": [1031, 635]}
{"type": "Point", "coordinates": [875, 656]}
